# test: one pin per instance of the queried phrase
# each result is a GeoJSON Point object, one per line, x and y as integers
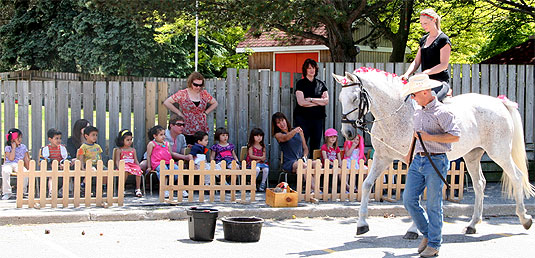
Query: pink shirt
{"type": "Point", "coordinates": [160, 152]}
{"type": "Point", "coordinates": [331, 152]}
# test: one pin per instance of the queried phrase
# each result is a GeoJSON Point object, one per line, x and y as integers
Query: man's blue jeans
{"type": "Point", "coordinates": [421, 174]}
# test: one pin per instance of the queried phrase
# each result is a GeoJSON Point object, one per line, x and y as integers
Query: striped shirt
{"type": "Point", "coordinates": [435, 118]}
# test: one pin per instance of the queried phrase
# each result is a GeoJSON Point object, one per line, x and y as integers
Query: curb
{"type": "Point", "coordinates": [179, 213]}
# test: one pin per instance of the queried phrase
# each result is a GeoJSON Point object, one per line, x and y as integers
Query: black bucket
{"type": "Point", "coordinates": [242, 229]}
{"type": "Point", "coordinates": [202, 223]}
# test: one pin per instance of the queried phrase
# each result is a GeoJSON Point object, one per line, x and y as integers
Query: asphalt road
{"type": "Point", "coordinates": [301, 237]}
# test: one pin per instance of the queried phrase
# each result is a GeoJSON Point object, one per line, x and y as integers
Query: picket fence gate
{"type": "Point", "coordinates": [71, 179]}
{"type": "Point", "coordinates": [242, 180]}
{"type": "Point", "coordinates": [388, 186]}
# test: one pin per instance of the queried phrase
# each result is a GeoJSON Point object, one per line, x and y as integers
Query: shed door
{"type": "Point", "coordinates": [292, 62]}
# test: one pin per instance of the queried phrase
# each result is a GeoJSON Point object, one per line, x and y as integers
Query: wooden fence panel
{"type": "Point", "coordinates": [162, 110]}
{"type": "Point", "coordinates": [274, 157]}
{"type": "Point", "coordinates": [88, 100]}
{"type": "Point", "coordinates": [333, 99]}
{"type": "Point", "coordinates": [232, 116]}
{"type": "Point", "coordinates": [23, 99]}
{"type": "Point", "coordinates": [2, 129]}
{"type": "Point", "coordinates": [243, 107]}
{"type": "Point", "coordinates": [485, 73]}
{"type": "Point", "coordinates": [75, 89]}
{"type": "Point", "coordinates": [126, 106]}
{"type": "Point", "coordinates": [62, 110]}
{"type": "Point", "coordinates": [530, 103]}
{"type": "Point", "coordinates": [10, 87]}
{"type": "Point", "coordinates": [210, 87]}
{"type": "Point", "coordinates": [140, 132]}
{"type": "Point", "coordinates": [465, 82]}
{"type": "Point", "coordinates": [50, 105]}
{"type": "Point", "coordinates": [475, 79]}
{"type": "Point", "coordinates": [493, 80]}
{"type": "Point", "coordinates": [456, 80]}
{"type": "Point", "coordinates": [511, 83]}
{"type": "Point", "coordinates": [37, 118]}
{"type": "Point", "coordinates": [520, 84]}
{"type": "Point", "coordinates": [221, 103]}
{"type": "Point", "coordinates": [263, 111]}
{"type": "Point", "coordinates": [150, 106]}
{"type": "Point", "coordinates": [254, 99]}
{"type": "Point", "coordinates": [502, 79]}
{"type": "Point", "coordinates": [113, 118]}
{"type": "Point", "coordinates": [286, 109]}
{"type": "Point", "coordinates": [100, 100]}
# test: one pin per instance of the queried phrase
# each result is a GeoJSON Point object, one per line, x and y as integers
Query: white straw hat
{"type": "Point", "coordinates": [419, 82]}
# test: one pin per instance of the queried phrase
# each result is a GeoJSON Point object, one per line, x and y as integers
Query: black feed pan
{"type": "Point", "coordinates": [242, 229]}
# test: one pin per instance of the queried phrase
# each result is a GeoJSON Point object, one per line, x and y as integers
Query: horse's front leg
{"type": "Point", "coordinates": [379, 165]}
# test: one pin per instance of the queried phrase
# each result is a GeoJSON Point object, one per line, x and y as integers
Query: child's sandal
{"type": "Point", "coordinates": [138, 193]}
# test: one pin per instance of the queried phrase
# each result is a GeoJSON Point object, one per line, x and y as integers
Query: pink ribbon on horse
{"type": "Point", "coordinates": [505, 100]}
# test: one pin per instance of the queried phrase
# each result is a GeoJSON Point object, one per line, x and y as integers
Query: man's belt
{"type": "Point", "coordinates": [422, 154]}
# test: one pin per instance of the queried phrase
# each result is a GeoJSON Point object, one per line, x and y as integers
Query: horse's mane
{"type": "Point", "coordinates": [395, 79]}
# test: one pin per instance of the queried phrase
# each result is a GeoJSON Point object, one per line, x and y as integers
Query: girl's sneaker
{"type": "Point", "coordinates": [262, 187]}
{"type": "Point", "coordinates": [138, 193]}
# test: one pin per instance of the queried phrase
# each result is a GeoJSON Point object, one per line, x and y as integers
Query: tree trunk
{"type": "Point", "coordinates": [342, 48]}
{"type": "Point", "coordinates": [399, 41]}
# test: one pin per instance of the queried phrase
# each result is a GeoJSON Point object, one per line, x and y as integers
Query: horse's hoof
{"type": "Point", "coordinates": [362, 230]}
{"type": "Point", "coordinates": [470, 230]}
{"type": "Point", "coordinates": [410, 235]}
{"type": "Point", "coordinates": [527, 225]}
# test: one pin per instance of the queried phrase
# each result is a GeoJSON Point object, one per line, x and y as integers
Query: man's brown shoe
{"type": "Point", "coordinates": [422, 245]}
{"type": "Point", "coordinates": [429, 252]}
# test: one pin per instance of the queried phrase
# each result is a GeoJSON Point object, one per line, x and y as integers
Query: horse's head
{"type": "Point", "coordinates": [354, 103]}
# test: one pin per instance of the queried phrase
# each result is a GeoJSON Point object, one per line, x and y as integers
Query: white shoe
{"type": "Point", "coordinates": [6, 196]}
{"type": "Point", "coordinates": [166, 194]}
{"type": "Point", "coordinates": [185, 193]}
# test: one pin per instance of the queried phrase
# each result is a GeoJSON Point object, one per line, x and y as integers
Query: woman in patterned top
{"type": "Point", "coordinates": [194, 103]}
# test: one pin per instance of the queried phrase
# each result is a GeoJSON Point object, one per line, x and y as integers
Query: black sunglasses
{"type": "Point", "coordinates": [198, 85]}
{"type": "Point", "coordinates": [180, 124]}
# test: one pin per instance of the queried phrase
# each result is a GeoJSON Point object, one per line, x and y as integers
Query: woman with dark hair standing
{"type": "Point", "coordinates": [312, 96]}
{"type": "Point", "coordinates": [193, 104]}
{"type": "Point", "coordinates": [77, 136]}
{"type": "Point", "coordinates": [433, 53]}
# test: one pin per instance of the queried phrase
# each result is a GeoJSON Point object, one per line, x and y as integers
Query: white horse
{"type": "Point", "coordinates": [487, 124]}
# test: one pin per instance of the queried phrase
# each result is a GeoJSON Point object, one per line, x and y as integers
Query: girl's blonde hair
{"type": "Point", "coordinates": [430, 13]}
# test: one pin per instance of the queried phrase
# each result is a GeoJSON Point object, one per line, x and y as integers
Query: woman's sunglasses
{"type": "Point", "coordinates": [197, 84]}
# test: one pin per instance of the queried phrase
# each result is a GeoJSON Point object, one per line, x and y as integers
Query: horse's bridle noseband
{"type": "Point", "coordinates": [362, 108]}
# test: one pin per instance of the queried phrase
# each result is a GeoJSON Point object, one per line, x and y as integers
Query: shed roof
{"type": "Point", "coordinates": [278, 40]}
{"type": "Point", "coordinates": [521, 54]}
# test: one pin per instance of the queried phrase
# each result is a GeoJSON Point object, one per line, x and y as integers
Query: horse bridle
{"type": "Point", "coordinates": [363, 107]}
{"type": "Point", "coordinates": [364, 104]}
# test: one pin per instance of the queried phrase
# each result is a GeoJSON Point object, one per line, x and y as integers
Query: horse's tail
{"type": "Point", "coordinates": [518, 154]}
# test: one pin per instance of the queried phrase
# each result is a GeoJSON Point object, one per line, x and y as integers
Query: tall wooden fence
{"type": "Point", "coordinates": [247, 99]}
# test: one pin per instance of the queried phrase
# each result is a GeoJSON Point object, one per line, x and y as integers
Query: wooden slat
{"type": "Point", "coordinates": [285, 102]}
{"type": "Point", "coordinates": [333, 99]}
{"type": "Point", "coordinates": [87, 88]}
{"type": "Point", "coordinates": [23, 106]}
{"type": "Point", "coordinates": [520, 87]}
{"type": "Point", "coordinates": [10, 87]}
{"type": "Point", "coordinates": [485, 73]}
{"type": "Point", "coordinates": [465, 83]}
{"type": "Point", "coordinates": [126, 106]}
{"type": "Point", "coordinates": [221, 97]}
{"type": "Point", "coordinates": [75, 89]}
{"type": "Point", "coordinates": [263, 111]}
{"type": "Point", "coordinates": [293, 100]}
{"type": "Point", "coordinates": [210, 88]}
{"type": "Point", "coordinates": [50, 105]}
{"type": "Point", "coordinates": [232, 104]}
{"type": "Point", "coordinates": [62, 110]}
{"type": "Point", "coordinates": [274, 157]}
{"type": "Point", "coordinates": [150, 105]}
{"type": "Point", "coordinates": [456, 80]}
{"type": "Point", "coordinates": [493, 80]}
{"type": "Point", "coordinates": [139, 119]}
{"type": "Point", "coordinates": [339, 69]}
{"type": "Point", "coordinates": [530, 103]}
{"type": "Point", "coordinates": [475, 79]}
{"type": "Point", "coordinates": [254, 99]}
{"type": "Point", "coordinates": [243, 108]}
{"type": "Point", "coordinates": [37, 118]}
{"type": "Point", "coordinates": [400, 68]}
{"type": "Point", "coordinates": [502, 79]}
{"type": "Point", "coordinates": [100, 99]}
{"type": "Point", "coordinates": [162, 110]}
{"type": "Point", "coordinates": [113, 118]}
{"type": "Point", "coordinates": [42, 182]}
{"type": "Point", "coordinates": [2, 130]}
{"type": "Point", "coordinates": [511, 82]}
{"type": "Point", "coordinates": [66, 182]}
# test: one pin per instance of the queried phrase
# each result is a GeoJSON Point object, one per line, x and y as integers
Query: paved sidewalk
{"type": "Point", "coordinates": [149, 208]}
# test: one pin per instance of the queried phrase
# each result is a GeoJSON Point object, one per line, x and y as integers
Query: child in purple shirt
{"type": "Point", "coordinates": [223, 150]}
{"type": "Point", "coordinates": [14, 151]}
